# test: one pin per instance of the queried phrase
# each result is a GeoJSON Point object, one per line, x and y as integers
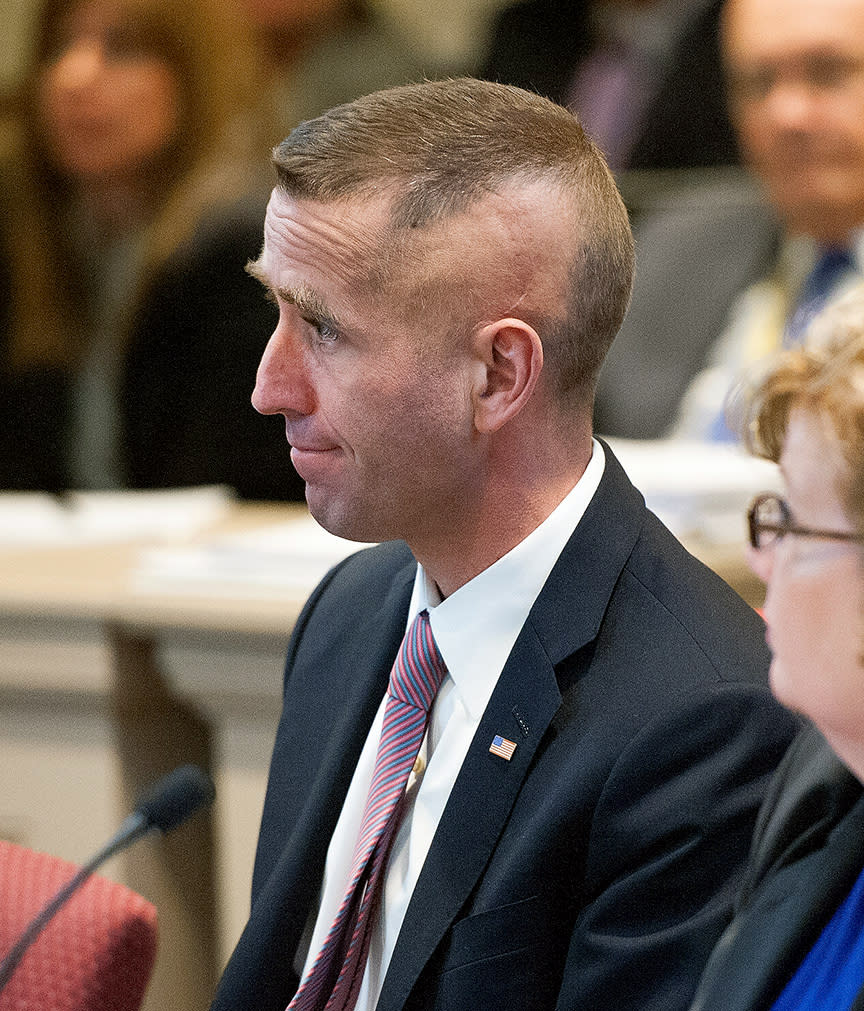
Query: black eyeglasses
{"type": "Point", "coordinates": [769, 520]}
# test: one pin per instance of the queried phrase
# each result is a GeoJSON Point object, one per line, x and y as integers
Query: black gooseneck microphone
{"type": "Point", "coordinates": [166, 805]}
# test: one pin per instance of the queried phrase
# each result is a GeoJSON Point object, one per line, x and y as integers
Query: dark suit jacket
{"type": "Point", "coordinates": [539, 44]}
{"type": "Point", "coordinates": [697, 250]}
{"type": "Point", "coordinates": [594, 870]}
{"type": "Point", "coordinates": [807, 854]}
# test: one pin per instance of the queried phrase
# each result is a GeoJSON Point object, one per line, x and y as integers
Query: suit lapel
{"type": "Point", "coordinates": [289, 884]}
{"type": "Point", "coordinates": [478, 807]}
{"type": "Point", "coordinates": [332, 768]}
{"type": "Point", "coordinates": [805, 859]}
{"type": "Point", "coordinates": [565, 617]}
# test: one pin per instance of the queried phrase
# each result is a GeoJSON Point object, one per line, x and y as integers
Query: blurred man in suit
{"type": "Point", "coordinates": [643, 76]}
{"type": "Point", "coordinates": [451, 261]}
{"type": "Point", "coordinates": [728, 274]}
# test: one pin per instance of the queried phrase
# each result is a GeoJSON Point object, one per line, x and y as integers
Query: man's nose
{"type": "Point", "coordinates": [283, 384]}
{"type": "Point", "coordinates": [790, 104]}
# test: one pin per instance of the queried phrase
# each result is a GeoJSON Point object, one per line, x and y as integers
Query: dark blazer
{"type": "Point", "coordinates": [807, 854]}
{"type": "Point", "coordinates": [539, 44]}
{"type": "Point", "coordinates": [697, 250]}
{"type": "Point", "coordinates": [594, 870]}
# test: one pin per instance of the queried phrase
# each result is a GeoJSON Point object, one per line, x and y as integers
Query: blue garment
{"type": "Point", "coordinates": [832, 263]}
{"type": "Point", "coordinates": [831, 975]}
{"type": "Point", "coordinates": [830, 266]}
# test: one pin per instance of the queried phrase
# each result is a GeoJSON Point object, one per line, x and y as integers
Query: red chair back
{"type": "Point", "coordinates": [97, 953]}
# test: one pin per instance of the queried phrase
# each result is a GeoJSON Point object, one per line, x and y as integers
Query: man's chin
{"type": "Point", "coordinates": [339, 518]}
{"type": "Point", "coordinates": [817, 207]}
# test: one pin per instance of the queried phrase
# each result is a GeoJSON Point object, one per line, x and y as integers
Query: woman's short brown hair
{"type": "Point", "coordinates": [824, 377]}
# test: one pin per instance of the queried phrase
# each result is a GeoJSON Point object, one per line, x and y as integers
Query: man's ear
{"type": "Point", "coordinates": [510, 360]}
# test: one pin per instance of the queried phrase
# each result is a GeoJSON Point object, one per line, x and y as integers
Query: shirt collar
{"type": "Point", "coordinates": [476, 626]}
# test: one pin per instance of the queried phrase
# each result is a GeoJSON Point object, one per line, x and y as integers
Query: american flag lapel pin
{"type": "Point", "coordinates": [501, 747]}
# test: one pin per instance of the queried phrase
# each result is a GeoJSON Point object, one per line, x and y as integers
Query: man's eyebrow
{"type": "Point", "coordinates": [254, 269]}
{"type": "Point", "coordinates": [308, 302]}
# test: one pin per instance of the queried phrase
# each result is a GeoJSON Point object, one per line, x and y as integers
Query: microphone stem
{"type": "Point", "coordinates": [133, 828]}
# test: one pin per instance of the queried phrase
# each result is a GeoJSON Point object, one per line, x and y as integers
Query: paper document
{"type": "Point", "coordinates": [33, 519]}
{"type": "Point", "coordinates": [699, 490]}
{"type": "Point", "coordinates": [288, 556]}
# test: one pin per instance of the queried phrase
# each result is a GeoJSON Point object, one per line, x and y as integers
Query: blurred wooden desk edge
{"type": "Point", "coordinates": [92, 581]}
{"type": "Point", "coordinates": [143, 681]}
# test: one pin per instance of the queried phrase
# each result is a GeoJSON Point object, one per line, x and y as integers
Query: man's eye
{"type": "Point", "coordinates": [326, 332]}
{"type": "Point", "coordinates": [830, 71]}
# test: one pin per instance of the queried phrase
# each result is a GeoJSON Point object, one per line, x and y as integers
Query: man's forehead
{"type": "Point", "coordinates": [495, 243]}
{"type": "Point", "coordinates": [346, 235]}
{"type": "Point", "coordinates": [358, 216]}
{"type": "Point", "coordinates": [796, 27]}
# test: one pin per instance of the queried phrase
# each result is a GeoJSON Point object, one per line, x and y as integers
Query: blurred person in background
{"type": "Point", "coordinates": [797, 940]}
{"type": "Point", "coordinates": [129, 211]}
{"type": "Point", "coordinates": [731, 272]}
{"type": "Point", "coordinates": [643, 76]}
{"type": "Point", "coordinates": [317, 54]}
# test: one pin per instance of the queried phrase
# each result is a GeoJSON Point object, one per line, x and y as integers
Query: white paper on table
{"type": "Point", "coordinates": [33, 519]}
{"type": "Point", "coordinates": [289, 556]}
{"type": "Point", "coordinates": [699, 490]}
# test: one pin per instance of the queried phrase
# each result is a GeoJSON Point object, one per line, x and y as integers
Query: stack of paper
{"type": "Point", "coordinates": [31, 519]}
{"type": "Point", "coordinates": [288, 556]}
{"type": "Point", "coordinates": [700, 490]}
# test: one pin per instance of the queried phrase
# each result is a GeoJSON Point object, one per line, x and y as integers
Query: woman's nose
{"type": "Point", "coordinates": [761, 561]}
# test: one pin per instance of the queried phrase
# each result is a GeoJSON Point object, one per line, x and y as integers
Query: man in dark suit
{"type": "Point", "coordinates": [729, 272]}
{"type": "Point", "coordinates": [451, 261]}
{"type": "Point", "coordinates": [660, 65]}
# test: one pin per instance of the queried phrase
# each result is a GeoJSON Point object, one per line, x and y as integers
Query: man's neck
{"type": "Point", "coordinates": [504, 517]}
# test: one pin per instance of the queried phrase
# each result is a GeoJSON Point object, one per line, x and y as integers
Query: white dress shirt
{"type": "Point", "coordinates": [475, 629]}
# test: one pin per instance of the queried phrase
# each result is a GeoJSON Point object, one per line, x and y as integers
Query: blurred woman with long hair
{"type": "Point", "coordinates": [137, 177]}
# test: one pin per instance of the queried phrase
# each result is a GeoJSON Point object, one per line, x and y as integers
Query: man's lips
{"type": "Point", "coordinates": [307, 458]}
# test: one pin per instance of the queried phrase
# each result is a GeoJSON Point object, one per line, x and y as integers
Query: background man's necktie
{"type": "Point", "coordinates": [831, 265]}
{"type": "Point", "coordinates": [608, 94]}
{"type": "Point", "coordinates": [335, 978]}
{"type": "Point", "coordinates": [827, 272]}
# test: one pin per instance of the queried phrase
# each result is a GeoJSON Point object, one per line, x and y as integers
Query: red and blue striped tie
{"type": "Point", "coordinates": [333, 982]}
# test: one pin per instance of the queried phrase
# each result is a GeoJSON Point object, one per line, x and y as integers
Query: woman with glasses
{"type": "Point", "coordinates": [797, 940]}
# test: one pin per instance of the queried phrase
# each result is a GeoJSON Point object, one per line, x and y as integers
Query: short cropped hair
{"type": "Point", "coordinates": [441, 146]}
{"type": "Point", "coordinates": [825, 377]}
